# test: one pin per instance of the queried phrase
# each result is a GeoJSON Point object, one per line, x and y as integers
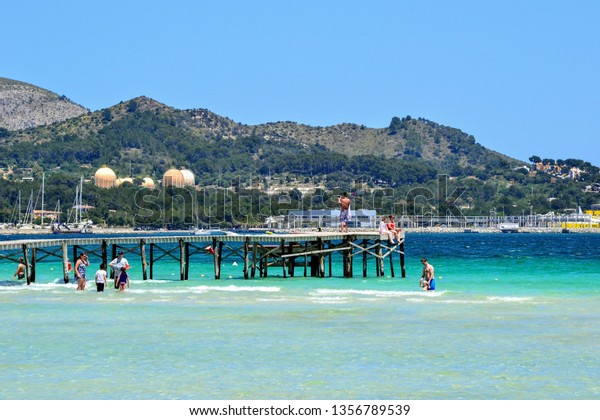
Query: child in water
{"type": "Point", "coordinates": [123, 279]}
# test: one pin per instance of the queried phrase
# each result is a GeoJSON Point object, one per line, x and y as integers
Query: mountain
{"type": "Point", "coordinates": [151, 137]}
{"type": "Point", "coordinates": [143, 137]}
{"type": "Point", "coordinates": [410, 139]}
{"type": "Point", "coordinates": [25, 106]}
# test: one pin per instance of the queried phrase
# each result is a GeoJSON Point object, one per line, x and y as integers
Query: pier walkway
{"type": "Point", "coordinates": [260, 252]}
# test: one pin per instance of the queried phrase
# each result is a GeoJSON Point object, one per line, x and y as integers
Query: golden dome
{"type": "Point", "coordinates": [147, 183]}
{"type": "Point", "coordinates": [173, 178]}
{"type": "Point", "coordinates": [105, 177]}
{"type": "Point", "coordinates": [128, 180]}
{"type": "Point", "coordinates": [188, 177]}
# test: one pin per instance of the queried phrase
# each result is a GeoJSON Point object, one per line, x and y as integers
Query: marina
{"type": "Point", "coordinates": [309, 252]}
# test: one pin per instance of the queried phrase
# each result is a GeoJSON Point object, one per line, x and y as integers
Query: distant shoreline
{"type": "Point", "coordinates": [437, 230]}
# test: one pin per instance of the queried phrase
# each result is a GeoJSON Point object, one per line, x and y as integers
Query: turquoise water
{"type": "Point", "coordinates": [513, 317]}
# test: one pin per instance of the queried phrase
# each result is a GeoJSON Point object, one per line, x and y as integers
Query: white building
{"type": "Point", "coordinates": [360, 218]}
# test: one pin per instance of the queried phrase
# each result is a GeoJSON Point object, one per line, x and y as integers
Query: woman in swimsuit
{"type": "Point", "coordinates": [80, 268]}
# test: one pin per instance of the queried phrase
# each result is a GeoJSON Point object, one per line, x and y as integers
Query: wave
{"type": "Point", "coordinates": [508, 299]}
{"type": "Point", "coordinates": [202, 289]}
{"type": "Point", "coordinates": [328, 299]}
{"type": "Point", "coordinates": [12, 283]}
{"type": "Point", "coordinates": [180, 291]}
{"type": "Point", "coordinates": [234, 288]}
{"type": "Point", "coordinates": [378, 293]}
{"type": "Point", "coordinates": [149, 281]}
{"type": "Point", "coordinates": [56, 285]}
{"type": "Point", "coordinates": [486, 301]}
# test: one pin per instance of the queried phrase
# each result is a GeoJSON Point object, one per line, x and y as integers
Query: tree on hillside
{"type": "Point", "coordinates": [106, 115]}
{"type": "Point", "coordinates": [395, 126]}
{"type": "Point", "coordinates": [535, 159]}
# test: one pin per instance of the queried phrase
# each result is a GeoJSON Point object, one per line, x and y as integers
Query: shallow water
{"type": "Point", "coordinates": [513, 317]}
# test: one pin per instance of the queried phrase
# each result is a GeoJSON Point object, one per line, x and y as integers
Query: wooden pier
{"type": "Point", "coordinates": [310, 253]}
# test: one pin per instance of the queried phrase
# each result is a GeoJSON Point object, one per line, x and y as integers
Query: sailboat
{"type": "Point", "coordinates": [78, 225]}
{"type": "Point", "coordinates": [15, 216]}
{"type": "Point", "coordinates": [27, 221]}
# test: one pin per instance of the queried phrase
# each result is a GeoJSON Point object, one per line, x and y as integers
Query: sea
{"type": "Point", "coordinates": [513, 317]}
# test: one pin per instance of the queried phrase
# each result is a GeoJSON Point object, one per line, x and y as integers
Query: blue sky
{"type": "Point", "coordinates": [518, 75]}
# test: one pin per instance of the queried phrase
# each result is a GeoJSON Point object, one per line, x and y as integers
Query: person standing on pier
{"type": "Point", "coordinates": [117, 264]}
{"type": "Point", "coordinates": [80, 268]}
{"type": "Point", "coordinates": [427, 281]}
{"type": "Point", "coordinates": [344, 211]}
{"type": "Point", "coordinates": [20, 273]}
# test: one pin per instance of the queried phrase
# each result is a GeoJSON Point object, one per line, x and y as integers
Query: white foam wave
{"type": "Point", "coordinates": [52, 286]}
{"type": "Point", "coordinates": [150, 281]}
{"type": "Point", "coordinates": [328, 298]}
{"type": "Point", "coordinates": [447, 301]}
{"type": "Point", "coordinates": [329, 301]}
{"type": "Point", "coordinates": [234, 288]}
{"type": "Point", "coordinates": [6, 291]}
{"type": "Point", "coordinates": [508, 299]}
{"type": "Point", "coordinates": [377, 293]}
{"type": "Point", "coordinates": [276, 299]}
{"type": "Point", "coordinates": [157, 291]}
{"type": "Point", "coordinates": [485, 301]}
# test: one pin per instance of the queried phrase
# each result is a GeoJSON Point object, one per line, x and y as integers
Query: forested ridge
{"type": "Point", "coordinates": [142, 137]}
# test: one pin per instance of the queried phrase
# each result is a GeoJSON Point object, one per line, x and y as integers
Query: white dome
{"type": "Point", "coordinates": [173, 178]}
{"type": "Point", "coordinates": [188, 177]}
{"type": "Point", "coordinates": [147, 183]}
{"type": "Point", "coordinates": [105, 177]}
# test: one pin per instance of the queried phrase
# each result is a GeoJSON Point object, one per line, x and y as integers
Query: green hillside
{"type": "Point", "coordinates": [149, 138]}
{"type": "Point", "coordinates": [143, 137]}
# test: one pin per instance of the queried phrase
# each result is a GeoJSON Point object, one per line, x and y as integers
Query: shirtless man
{"type": "Point", "coordinates": [20, 273]}
{"type": "Point", "coordinates": [427, 281]}
{"type": "Point", "coordinates": [344, 211]}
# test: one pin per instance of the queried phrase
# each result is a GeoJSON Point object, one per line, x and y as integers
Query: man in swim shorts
{"type": "Point", "coordinates": [344, 211]}
{"type": "Point", "coordinates": [427, 281]}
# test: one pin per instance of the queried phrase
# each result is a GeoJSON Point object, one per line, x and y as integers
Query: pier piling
{"type": "Point", "coordinates": [258, 251]}
{"type": "Point", "coordinates": [65, 261]}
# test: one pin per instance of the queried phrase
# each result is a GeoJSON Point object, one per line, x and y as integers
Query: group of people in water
{"type": "Point", "coordinates": [119, 266]}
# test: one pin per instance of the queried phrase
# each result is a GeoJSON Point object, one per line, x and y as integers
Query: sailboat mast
{"type": "Point", "coordinates": [80, 198]}
{"type": "Point", "coordinates": [29, 211]}
{"type": "Point", "coordinates": [43, 191]}
{"type": "Point", "coordinates": [19, 215]}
